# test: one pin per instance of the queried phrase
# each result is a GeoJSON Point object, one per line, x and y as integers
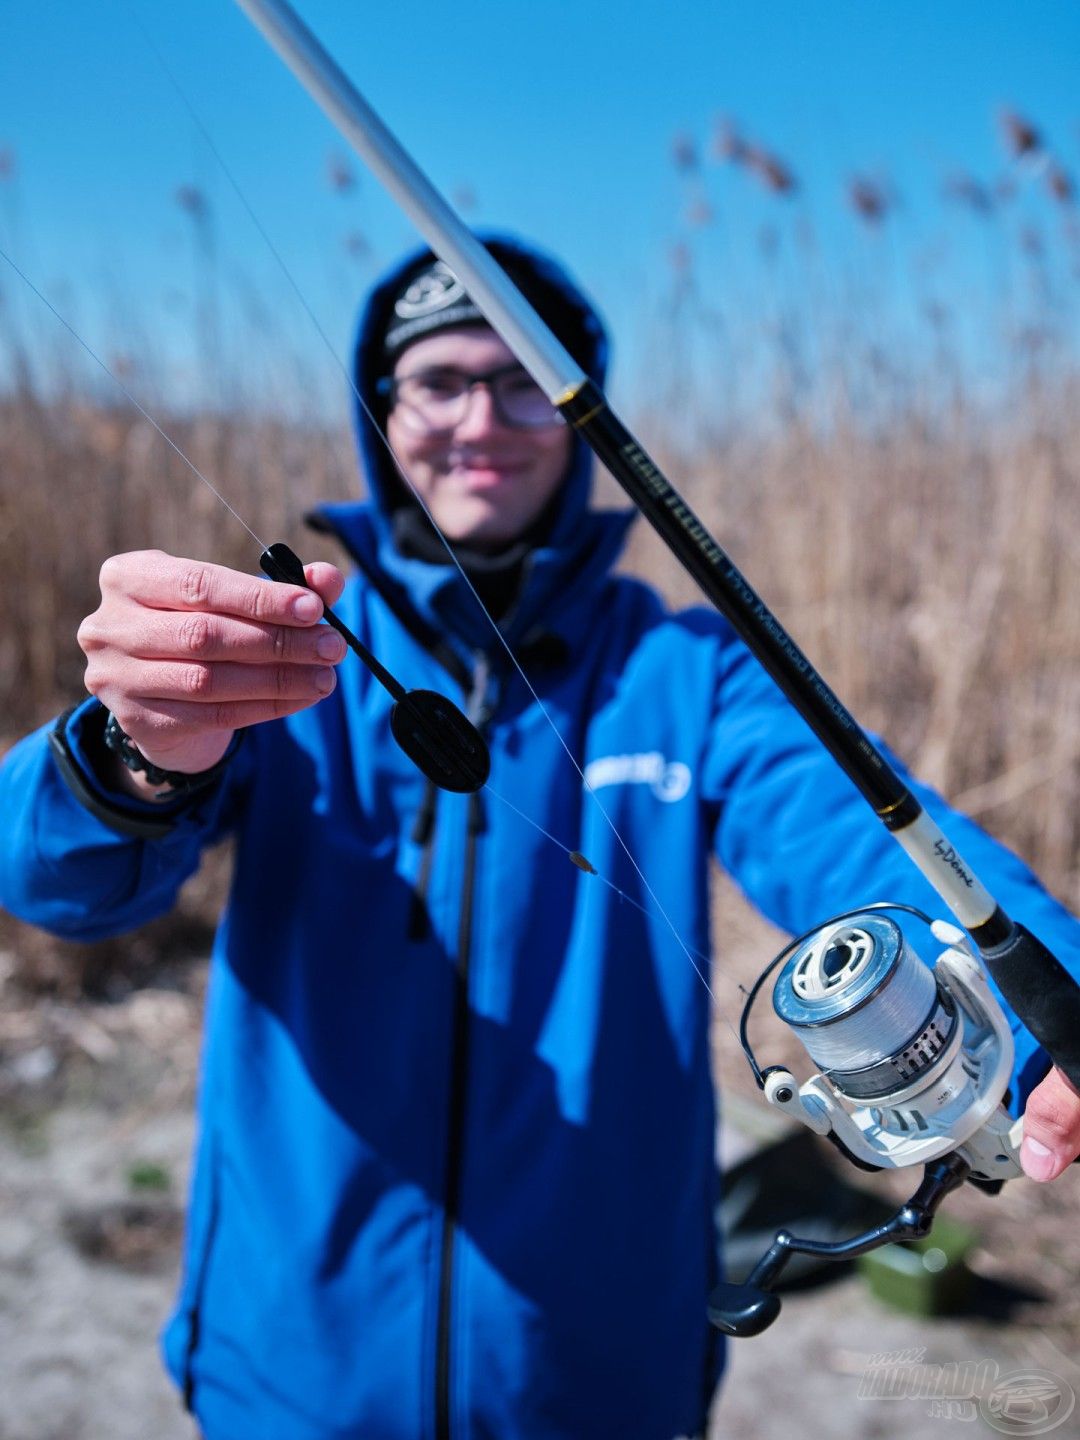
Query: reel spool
{"type": "Point", "coordinates": [913, 1066]}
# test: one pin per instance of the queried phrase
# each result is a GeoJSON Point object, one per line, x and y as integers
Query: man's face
{"type": "Point", "coordinates": [484, 480]}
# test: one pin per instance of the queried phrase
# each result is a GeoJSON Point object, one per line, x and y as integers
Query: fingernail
{"type": "Point", "coordinates": [308, 607]}
{"type": "Point", "coordinates": [330, 646]}
{"type": "Point", "coordinates": [325, 680]}
{"type": "Point", "coordinates": [1037, 1159]}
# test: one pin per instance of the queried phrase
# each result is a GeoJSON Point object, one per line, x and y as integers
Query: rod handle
{"type": "Point", "coordinates": [1043, 994]}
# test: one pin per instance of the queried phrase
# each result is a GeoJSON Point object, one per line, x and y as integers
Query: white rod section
{"type": "Point", "coordinates": [510, 314]}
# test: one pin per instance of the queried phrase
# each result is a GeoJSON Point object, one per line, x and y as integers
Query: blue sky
{"type": "Point", "coordinates": [559, 120]}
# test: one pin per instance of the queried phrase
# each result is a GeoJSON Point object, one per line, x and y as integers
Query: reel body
{"type": "Point", "coordinates": [913, 1062]}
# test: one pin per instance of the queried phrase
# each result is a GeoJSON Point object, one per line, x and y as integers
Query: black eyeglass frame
{"type": "Point", "coordinates": [387, 386]}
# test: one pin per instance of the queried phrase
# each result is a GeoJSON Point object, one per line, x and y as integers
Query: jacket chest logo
{"type": "Point", "coordinates": [669, 780]}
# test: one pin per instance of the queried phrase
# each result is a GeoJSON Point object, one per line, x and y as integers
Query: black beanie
{"type": "Point", "coordinates": [430, 298]}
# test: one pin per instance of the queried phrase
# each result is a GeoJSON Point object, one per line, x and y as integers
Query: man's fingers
{"type": "Point", "coordinates": [165, 582]}
{"type": "Point", "coordinates": [327, 580]}
{"type": "Point", "coordinates": [1051, 1127]}
{"type": "Point", "coordinates": [224, 682]}
{"type": "Point", "coordinates": [196, 636]}
{"type": "Point", "coordinates": [184, 652]}
{"type": "Point", "coordinates": [161, 721]}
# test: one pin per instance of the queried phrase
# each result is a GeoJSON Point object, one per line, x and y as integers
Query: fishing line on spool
{"type": "Point", "coordinates": [853, 995]}
{"type": "Point", "coordinates": [849, 1030]}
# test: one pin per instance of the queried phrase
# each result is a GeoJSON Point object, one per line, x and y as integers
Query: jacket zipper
{"type": "Point", "coordinates": [423, 834]}
{"type": "Point", "coordinates": [199, 1281]}
{"type": "Point", "coordinates": [480, 709]}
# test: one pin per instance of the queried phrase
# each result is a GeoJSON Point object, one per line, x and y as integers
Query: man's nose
{"type": "Point", "coordinates": [481, 415]}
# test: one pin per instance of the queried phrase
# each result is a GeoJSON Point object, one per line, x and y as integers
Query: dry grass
{"type": "Point", "coordinates": [930, 570]}
{"type": "Point", "coordinates": [80, 482]}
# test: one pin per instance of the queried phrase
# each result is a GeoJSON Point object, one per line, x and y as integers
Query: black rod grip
{"type": "Point", "coordinates": [1043, 994]}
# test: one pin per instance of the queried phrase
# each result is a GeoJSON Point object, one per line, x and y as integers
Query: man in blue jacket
{"type": "Point", "coordinates": [455, 1169]}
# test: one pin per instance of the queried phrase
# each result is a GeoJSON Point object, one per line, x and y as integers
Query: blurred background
{"type": "Point", "coordinates": [839, 251]}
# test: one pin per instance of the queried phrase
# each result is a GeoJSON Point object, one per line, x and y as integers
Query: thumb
{"type": "Point", "coordinates": [1051, 1127]}
{"type": "Point", "coordinates": [326, 580]}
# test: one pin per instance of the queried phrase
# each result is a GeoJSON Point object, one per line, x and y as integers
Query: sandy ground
{"type": "Point", "coordinates": [91, 1187]}
{"type": "Point", "coordinates": [95, 1129]}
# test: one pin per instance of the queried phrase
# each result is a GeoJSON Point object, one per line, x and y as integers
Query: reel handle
{"type": "Point", "coordinates": [743, 1310]}
{"type": "Point", "coordinates": [746, 1309]}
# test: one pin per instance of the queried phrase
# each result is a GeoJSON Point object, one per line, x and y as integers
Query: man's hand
{"type": "Point", "coordinates": [184, 653]}
{"type": "Point", "coordinates": [1051, 1127]}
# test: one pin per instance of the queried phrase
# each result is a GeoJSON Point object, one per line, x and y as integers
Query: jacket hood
{"type": "Point", "coordinates": [560, 303]}
{"type": "Point", "coordinates": [580, 545]}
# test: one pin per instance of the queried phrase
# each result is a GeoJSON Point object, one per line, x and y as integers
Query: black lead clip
{"type": "Point", "coordinates": [437, 737]}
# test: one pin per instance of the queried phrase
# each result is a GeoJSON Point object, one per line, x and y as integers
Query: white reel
{"type": "Point", "coordinates": [914, 1062]}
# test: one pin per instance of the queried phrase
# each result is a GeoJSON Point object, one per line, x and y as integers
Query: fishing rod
{"type": "Point", "coordinates": [914, 1059]}
{"type": "Point", "coordinates": [1031, 978]}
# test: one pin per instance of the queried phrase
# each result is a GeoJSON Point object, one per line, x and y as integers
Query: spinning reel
{"type": "Point", "coordinates": [914, 1063]}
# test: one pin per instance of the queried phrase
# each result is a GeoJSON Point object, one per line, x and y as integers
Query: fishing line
{"type": "Point", "coordinates": [935, 1083]}
{"type": "Point", "coordinates": [384, 439]}
{"type": "Point", "coordinates": [142, 411]}
{"type": "Point", "coordinates": [622, 894]}
{"type": "Point", "coordinates": [1042, 992]}
{"type": "Point", "coordinates": [575, 857]}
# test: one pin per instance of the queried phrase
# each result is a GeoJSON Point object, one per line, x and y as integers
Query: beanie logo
{"type": "Point", "coordinates": [437, 288]}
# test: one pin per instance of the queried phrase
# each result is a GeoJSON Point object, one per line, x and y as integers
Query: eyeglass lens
{"type": "Point", "coordinates": [439, 398]}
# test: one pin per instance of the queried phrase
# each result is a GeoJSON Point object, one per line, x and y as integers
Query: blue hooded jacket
{"type": "Point", "coordinates": [455, 1171]}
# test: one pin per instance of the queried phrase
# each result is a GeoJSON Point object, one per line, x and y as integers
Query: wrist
{"type": "Point", "coordinates": [140, 777]}
{"type": "Point", "coordinates": [86, 768]}
{"type": "Point", "coordinates": [116, 775]}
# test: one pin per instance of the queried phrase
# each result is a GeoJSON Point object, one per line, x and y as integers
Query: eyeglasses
{"type": "Point", "coordinates": [436, 400]}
